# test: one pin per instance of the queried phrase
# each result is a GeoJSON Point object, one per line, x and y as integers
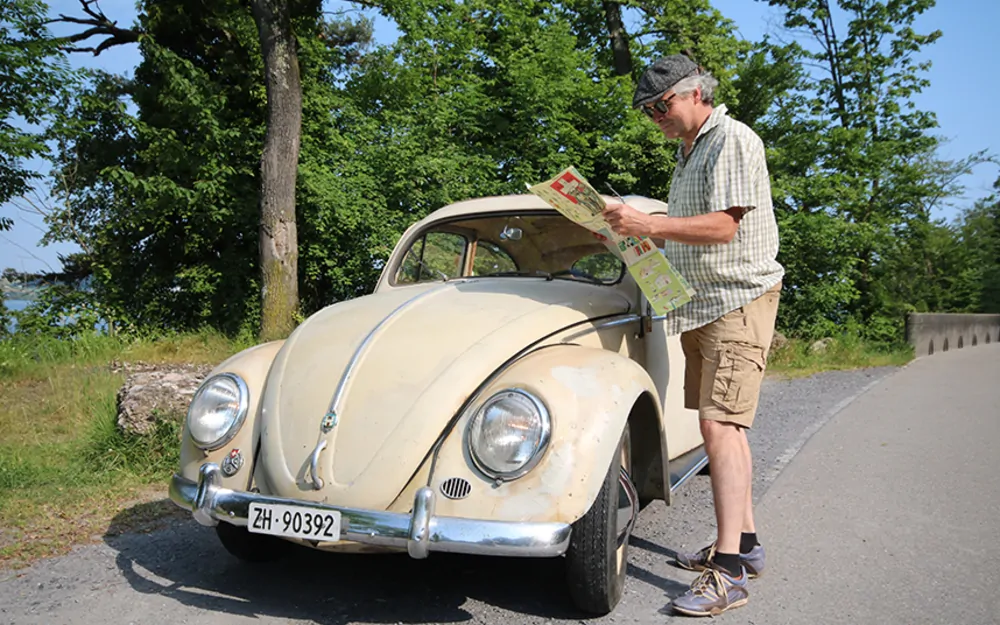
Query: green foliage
{"type": "Point", "coordinates": [59, 311]}
{"type": "Point", "coordinates": [102, 455]}
{"type": "Point", "coordinates": [978, 233]}
{"type": "Point", "coordinates": [475, 99]}
{"type": "Point", "coordinates": [855, 168]}
{"type": "Point", "coordinates": [24, 355]}
{"type": "Point", "coordinates": [108, 450]}
{"type": "Point", "coordinates": [6, 319]}
{"type": "Point", "coordinates": [168, 197]}
{"type": "Point", "coordinates": [845, 349]}
{"type": "Point", "coordinates": [491, 258]}
{"type": "Point", "coordinates": [160, 172]}
{"type": "Point", "coordinates": [32, 76]}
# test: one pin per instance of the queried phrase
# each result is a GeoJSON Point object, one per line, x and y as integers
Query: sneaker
{"type": "Point", "coordinates": [712, 593]}
{"type": "Point", "coordinates": [753, 562]}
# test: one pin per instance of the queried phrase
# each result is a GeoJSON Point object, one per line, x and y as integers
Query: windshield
{"type": "Point", "coordinates": [509, 245]}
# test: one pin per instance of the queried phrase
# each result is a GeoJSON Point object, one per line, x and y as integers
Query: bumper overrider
{"type": "Point", "coordinates": [419, 532]}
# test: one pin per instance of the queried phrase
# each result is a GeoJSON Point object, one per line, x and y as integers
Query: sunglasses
{"type": "Point", "coordinates": [660, 106]}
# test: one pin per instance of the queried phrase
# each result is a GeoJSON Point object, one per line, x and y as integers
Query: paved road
{"type": "Point", "coordinates": [890, 514]}
{"type": "Point", "coordinates": [861, 513]}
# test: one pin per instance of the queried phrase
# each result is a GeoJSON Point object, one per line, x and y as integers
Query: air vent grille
{"type": "Point", "coordinates": [456, 488]}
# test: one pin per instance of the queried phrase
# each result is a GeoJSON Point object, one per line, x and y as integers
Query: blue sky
{"type": "Point", "coordinates": [963, 76]}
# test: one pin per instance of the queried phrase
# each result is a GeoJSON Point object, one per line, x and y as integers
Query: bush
{"type": "Point", "coordinates": [60, 311]}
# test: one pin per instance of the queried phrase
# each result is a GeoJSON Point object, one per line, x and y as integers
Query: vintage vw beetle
{"type": "Point", "coordinates": [504, 391]}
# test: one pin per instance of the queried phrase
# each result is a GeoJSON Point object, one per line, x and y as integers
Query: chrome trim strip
{"type": "Point", "coordinates": [314, 465]}
{"type": "Point", "coordinates": [690, 464]}
{"type": "Point", "coordinates": [419, 533]}
{"type": "Point", "coordinates": [633, 318]}
{"type": "Point", "coordinates": [345, 379]}
{"type": "Point", "coordinates": [601, 325]}
{"type": "Point", "coordinates": [349, 370]}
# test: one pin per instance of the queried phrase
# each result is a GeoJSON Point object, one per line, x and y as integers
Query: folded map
{"type": "Point", "coordinates": [570, 194]}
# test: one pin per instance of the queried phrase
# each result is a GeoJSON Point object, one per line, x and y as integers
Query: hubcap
{"type": "Point", "coordinates": [628, 506]}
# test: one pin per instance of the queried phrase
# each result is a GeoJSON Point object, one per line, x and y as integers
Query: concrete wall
{"type": "Point", "coordinates": [933, 333]}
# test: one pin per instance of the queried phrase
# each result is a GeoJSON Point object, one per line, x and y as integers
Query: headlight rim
{"type": "Point", "coordinates": [543, 441]}
{"type": "Point", "coordinates": [241, 415]}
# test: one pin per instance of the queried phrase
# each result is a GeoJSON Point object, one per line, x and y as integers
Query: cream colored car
{"type": "Point", "coordinates": [504, 391]}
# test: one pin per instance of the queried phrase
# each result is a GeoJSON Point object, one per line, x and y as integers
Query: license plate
{"type": "Point", "coordinates": [294, 521]}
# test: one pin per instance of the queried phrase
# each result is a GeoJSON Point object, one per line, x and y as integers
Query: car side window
{"type": "Point", "coordinates": [434, 256]}
{"type": "Point", "coordinates": [604, 266]}
{"type": "Point", "coordinates": [491, 258]}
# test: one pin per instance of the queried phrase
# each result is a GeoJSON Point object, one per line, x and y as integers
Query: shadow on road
{"type": "Point", "coordinates": [187, 563]}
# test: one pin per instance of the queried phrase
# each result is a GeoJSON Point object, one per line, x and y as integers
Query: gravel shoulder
{"type": "Point", "coordinates": [180, 574]}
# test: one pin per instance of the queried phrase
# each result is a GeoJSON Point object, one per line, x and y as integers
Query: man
{"type": "Point", "coordinates": [722, 236]}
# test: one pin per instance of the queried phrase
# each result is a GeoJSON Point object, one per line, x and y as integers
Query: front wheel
{"type": "Point", "coordinates": [597, 558]}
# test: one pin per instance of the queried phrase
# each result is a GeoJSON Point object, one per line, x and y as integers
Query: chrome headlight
{"type": "Point", "coordinates": [217, 410]}
{"type": "Point", "coordinates": [508, 434]}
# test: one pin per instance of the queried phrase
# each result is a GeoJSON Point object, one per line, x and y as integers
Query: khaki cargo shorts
{"type": "Point", "coordinates": [725, 361]}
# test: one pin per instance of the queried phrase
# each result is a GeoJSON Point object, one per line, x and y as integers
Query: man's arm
{"type": "Point", "coordinates": [709, 229]}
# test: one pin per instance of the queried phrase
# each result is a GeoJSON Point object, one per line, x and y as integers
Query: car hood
{"type": "Point", "coordinates": [402, 363]}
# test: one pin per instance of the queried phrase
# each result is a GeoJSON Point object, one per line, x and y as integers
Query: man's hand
{"type": "Point", "coordinates": [626, 221]}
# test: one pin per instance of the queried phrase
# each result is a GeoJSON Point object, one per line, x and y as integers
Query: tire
{"type": "Point", "coordinates": [249, 547]}
{"type": "Point", "coordinates": [596, 566]}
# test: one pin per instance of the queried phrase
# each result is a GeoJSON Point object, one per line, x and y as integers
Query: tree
{"type": "Point", "coordinates": [168, 197]}
{"type": "Point", "coordinates": [618, 37]}
{"type": "Point", "coordinates": [279, 161]}
{"type": "Point", "coordinates": [850, 150]}
{"type": "Point", "coordinates": [279, 252]}
{"type": "Point", "coordinates": [32, 75]}
{"type": "Point", "coordinates": [979, 230]}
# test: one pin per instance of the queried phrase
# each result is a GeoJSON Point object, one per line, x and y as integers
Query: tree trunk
{"type": "Point", "coordinates": [619, 39]}
{"type": "Point", "coordinates": [279, 254]}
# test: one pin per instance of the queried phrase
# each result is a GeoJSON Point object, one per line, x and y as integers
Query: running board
{"type": "Point", "coordinates": [686, 466]}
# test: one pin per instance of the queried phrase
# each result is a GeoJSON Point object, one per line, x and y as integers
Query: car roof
{"type": "Point", "coordinates": [526, 201]}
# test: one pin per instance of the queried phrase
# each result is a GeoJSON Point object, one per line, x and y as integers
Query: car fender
{"type": "Point", "coordinates": [589, 394]}
{"type": "Point", "coordinates": [252, 365]}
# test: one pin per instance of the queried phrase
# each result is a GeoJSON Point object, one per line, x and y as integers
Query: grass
{"type": "Point", "coordinates": [797, 358]}
{"type": "Point", "coordinates": [69, 476]}
{"type": "Point", "coordinates": [67, 473]}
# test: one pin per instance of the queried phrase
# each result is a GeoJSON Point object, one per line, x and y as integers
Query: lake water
{"type": "Point", "coordinates": [14, 304]}
{"type": "Point", "coordinates": [20, 304]}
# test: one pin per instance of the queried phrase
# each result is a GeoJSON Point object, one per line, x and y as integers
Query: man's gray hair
{"type": "Point", "coordinates": [705, 81]}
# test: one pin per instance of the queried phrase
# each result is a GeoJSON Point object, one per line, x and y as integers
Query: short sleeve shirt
{"type": "Point", "coordinates": [726, 168]}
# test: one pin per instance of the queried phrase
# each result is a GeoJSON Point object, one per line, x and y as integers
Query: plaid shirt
{"type": "Point", "coordinates": [725, 169]}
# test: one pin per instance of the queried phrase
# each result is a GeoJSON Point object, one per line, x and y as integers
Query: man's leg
{"type": "Point", "coordinates": [734, 353]}
{"type": "Point", "coordinates": [725, 444]}
{"type": "Point", "coordinates": [748, 524]}
{"type": "Point", "coordinates": [723, 584]}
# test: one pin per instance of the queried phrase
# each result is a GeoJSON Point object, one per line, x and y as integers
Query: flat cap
{"type": "Point", "coordinates": [661, 76]}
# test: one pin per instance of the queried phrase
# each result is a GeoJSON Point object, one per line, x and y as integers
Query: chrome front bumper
{"type": "Point", "coordinates": [419, 533]}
